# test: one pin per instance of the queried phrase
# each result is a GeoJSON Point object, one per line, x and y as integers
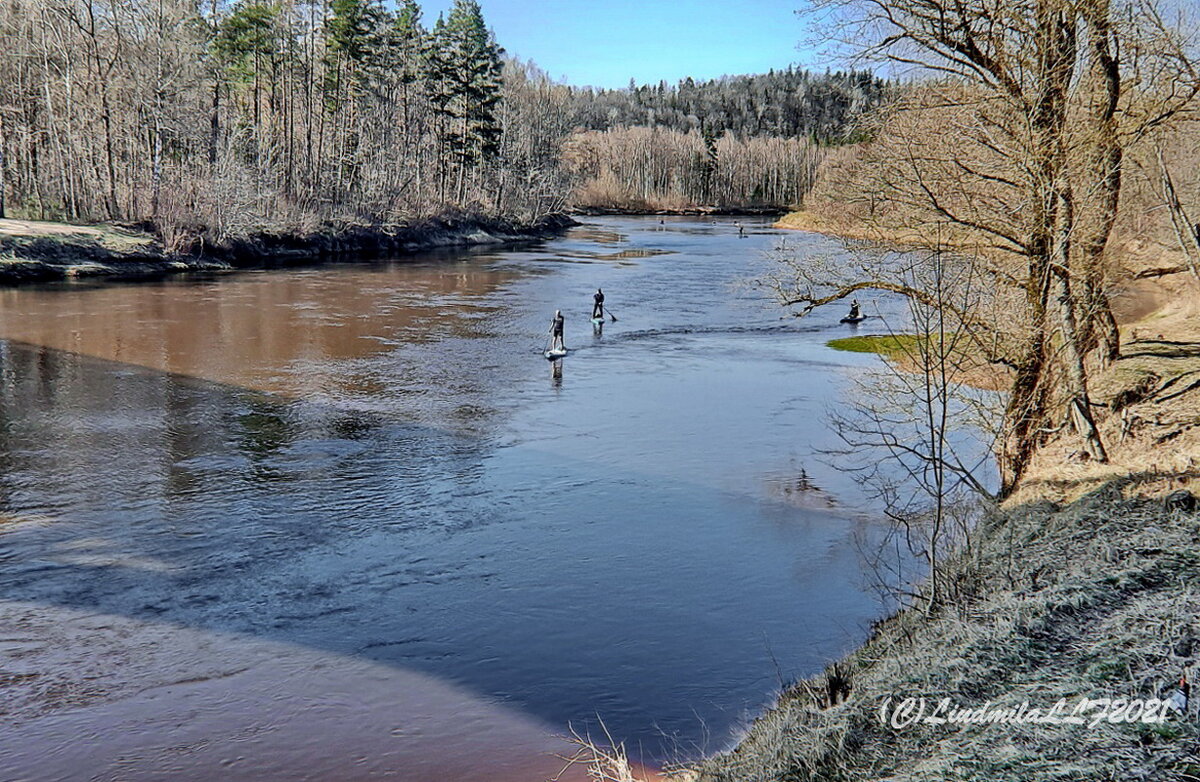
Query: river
{"type": "Point", "coordinates": [347, 522]}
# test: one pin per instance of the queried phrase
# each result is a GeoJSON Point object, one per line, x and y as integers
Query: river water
{"type": "Point", "coordinates": [347, 522]}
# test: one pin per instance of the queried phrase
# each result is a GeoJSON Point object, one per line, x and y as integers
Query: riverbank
{"type": "Point", "coordinates": [1083, 586]}
{"type": "Point", "coordinates": [1149, 414]}
{"type": "Point", "coordinates": [1090, 600]}
{"type": "Point", "coordinates": [847, 228]}
{"type": "Point", "coordinates": [33, 251]}
{"type": "Point", "coordinates": [811, 222]}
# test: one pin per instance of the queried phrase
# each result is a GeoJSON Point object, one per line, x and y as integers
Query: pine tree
{"type": "Point", "coordinates": [440, 95]}
{"type": "Point", "coordinates": [469, 64]}
{"type": "Point", "coordinates": [355, 60]}
{"type": "Point", "coordinates": [245, 46]}
{"type": "Point", "coordinates": [407, 42]}
{"type": "Point", "coordinates": [409, 49]}
{"type": "Point", "coordinates": [710, 162]}
{"type": "Point", "coordinates": [354, 42]}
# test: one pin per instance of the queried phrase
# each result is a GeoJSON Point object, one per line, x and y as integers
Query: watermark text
{"type": "Point", "coordinates": [902, 713]}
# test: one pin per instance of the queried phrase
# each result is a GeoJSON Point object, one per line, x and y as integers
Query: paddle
{"type": "Point", "coordinates": [611, 315]}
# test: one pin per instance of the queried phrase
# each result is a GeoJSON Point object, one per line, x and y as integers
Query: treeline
{"type": "Point", "coordinates": [235, 116]}
{"type": "Point", "coordinates": [729, 142]}
{"type": "Point", "coordinates": [217, 118]}
{"type": "Point", "coordinates": [789, 103]}
{"type": "Point", "coordinates": [657, 168]}
{"type": "Point", "coordinates": [1040, 150]}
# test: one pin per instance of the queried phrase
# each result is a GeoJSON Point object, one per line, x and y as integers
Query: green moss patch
{"type": "Point", "coordinates": [888, 345]}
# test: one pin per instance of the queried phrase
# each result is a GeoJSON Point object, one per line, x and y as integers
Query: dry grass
{"type": "Point", "coordinates": [607, 761]}
{"type": "Point", "coordinates": [601, 763]}
{"type": "Point", "coordinates": [845, 227]}
{"type": "Point", "coordinates": [108, 236]}
{"type": "Point", "coordinates": [1150, 419]}
{"type": "Point", "coordinates": [1096, 599]}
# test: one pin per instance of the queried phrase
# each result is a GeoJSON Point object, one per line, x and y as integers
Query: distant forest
{"type": "Point", "coordinates": [209, 117]}
{"type": "Point", "coordinates": [734, 141]}
{"type": "Point", "coordinates": [789, 103]}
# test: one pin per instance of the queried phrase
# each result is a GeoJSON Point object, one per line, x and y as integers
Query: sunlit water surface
{"type": "Point", "coordinates": [347, 522]}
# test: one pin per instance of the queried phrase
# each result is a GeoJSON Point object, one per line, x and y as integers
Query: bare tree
{"type": "Point", "coordinates": [660, 168]}
{"type": "Point", "coordinates": [1187, 230]}
{"type": "Point", "coordinates": [917, 431]}
{"type": "Point", "coordinates": [1018, 150]}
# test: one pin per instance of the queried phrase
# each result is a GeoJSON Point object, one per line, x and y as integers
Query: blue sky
{"type": "Point", "coordinates": [604, 43]}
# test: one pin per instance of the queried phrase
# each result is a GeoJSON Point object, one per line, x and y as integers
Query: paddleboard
{"type": "Point", "coordinates": [854, 320]}
{"type": "Point", "coordinates": [597, 321]}
{"type": "Point", "coordinates": [553, 354]}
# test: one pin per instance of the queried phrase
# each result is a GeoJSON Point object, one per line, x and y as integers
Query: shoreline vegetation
{"type": "Point", "coordinates": [1094, 606]}
{"type": "Point", "coordinates": [36, 251]}
{"type": "Point", "coordinates": [1080, 585]}
{"type": "Point", "coordinates": [1036, 145]}
{"type": "Point", "coordinates": [33, 251]}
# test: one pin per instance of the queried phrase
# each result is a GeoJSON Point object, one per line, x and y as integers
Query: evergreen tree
{"type": "Point", "coordinates": [355, 45]}
{"type": "Point", "coordinates": [469, 70]}
{"type": "Point", "coordinates": [440, 95]}
{"type": "Point", "coordinates": [408, 64]}
{"type": "Point", "coordinates": [710, 162]}
{"type": "Point", "coordinates": [408, 44]}
{"type": "Point", "coordinates": [246, 46]}
{"type": "Point", "coordinates": [355, 61]}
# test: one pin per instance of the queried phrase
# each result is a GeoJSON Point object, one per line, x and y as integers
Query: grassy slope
{"type": "Point", "coordinates": [1100, 598]}
{"type": "Point", "coordinates": [108, 236]}
{"type": "Point", "coordinates": [24, 240]}
{"type": "Point", "coordinates": [1095, 599]}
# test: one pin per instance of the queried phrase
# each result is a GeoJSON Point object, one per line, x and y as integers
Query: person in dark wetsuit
{"type": "Point", "coordinates": [854, 311]}
{"type": "Point", "coordinates": [598, 304]}
{"type": "Point", "coordinates": [556, 332]}
{"type": "Point", "coordinates": [741, 229]}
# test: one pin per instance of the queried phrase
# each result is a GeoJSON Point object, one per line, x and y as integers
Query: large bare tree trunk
{"type": "Point", "coordinates": [1025, 412]}
{"type": "Point", "coordinates": [1080, 400]}
{"type": "Point", "coordinates": [1103, 168]}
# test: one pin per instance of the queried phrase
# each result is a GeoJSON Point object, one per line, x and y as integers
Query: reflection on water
{"type": "Point", "coordinates": [798, 488]}
{"type": "Point", "coordinates": [598, 232]}
{"type": "Point", "coordinates": [367, 466]}
{"type": "Point", "coordinates": [267, 330]}
{"type": "Point", "coordinates": [622, 255]}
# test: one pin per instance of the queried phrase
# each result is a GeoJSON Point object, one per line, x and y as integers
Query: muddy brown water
{"type": "Point", "coordinates": [346, 522]}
